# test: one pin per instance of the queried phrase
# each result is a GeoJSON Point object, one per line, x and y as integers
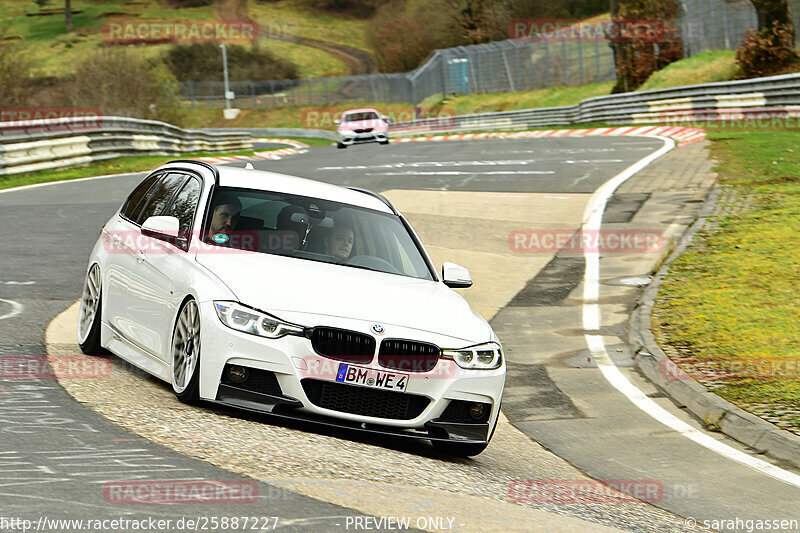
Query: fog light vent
{"type": "Point", "coordinates": [237, 374]}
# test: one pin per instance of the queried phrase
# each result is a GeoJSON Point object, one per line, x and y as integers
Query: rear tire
{"type": "Point", "coordinates": [89, 316]}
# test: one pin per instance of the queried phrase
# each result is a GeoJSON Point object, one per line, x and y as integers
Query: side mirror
{"type": "Point", "coordinates": [162, 228]}
{"type": "Point", "coordinates": [456, 276]}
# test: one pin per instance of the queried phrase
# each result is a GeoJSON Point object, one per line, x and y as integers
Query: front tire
{"type": "Point", "coordinates": [89, 315]}
{"type": "Point", "coordinates": [185, 368]}
{"type": "Point", "coordinates": [341, 146]}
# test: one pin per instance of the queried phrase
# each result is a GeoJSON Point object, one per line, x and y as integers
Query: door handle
{"type": "Point", "coordinates": [116, 238]}
{"type": "Point", "coordinates": [140, 256]}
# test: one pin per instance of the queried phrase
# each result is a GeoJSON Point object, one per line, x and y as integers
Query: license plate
{"type": "Point", "coordinates": [369, 377]}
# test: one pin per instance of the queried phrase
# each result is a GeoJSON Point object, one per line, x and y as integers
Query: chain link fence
{"type": "Point", "coordinates": [714, 24]}
{"type": "Point", "coordinates": [794, 10]}
{"type": "Point", "coordinates": [504, 66]}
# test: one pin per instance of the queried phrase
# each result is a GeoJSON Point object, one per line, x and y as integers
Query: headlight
{"type": "Point", "coordinates": [481, 357]}
{"type": "Point", "coordinates": [241, 318]}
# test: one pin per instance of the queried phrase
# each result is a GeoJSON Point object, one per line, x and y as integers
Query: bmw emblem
{"type": "Point", "coordinates": [377, 328]}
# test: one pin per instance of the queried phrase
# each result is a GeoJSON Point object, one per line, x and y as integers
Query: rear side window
{"type": "Point", "coordinates": [160, 196]}
{"type": "Point", "coordinates": [185, 205]}
{"type": "Point", "coordinates": [129, 210]}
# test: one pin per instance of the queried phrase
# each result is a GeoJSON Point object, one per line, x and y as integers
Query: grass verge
{"type": "Point", "coordinates": [54, 51]}
{"type": "Point", "coordinates": [729, 305]}
{"type": "Point", "coordinates": [705, 67]}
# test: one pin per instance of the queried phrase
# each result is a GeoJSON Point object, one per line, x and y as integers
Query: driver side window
{"type": "Point", "coordinates": [185, 206]}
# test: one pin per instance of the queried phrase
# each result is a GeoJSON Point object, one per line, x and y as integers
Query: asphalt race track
{"type": "Point", "coordinates": [56, 455]}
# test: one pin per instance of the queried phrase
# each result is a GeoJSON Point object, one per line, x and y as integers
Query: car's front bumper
{"type": "Point", "coordinates": [350, 138]}
{"type": "Point", "coordinates": [299, 372]}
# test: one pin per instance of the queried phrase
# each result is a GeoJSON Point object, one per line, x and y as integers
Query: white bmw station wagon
{"type": "Point", "coordinates": [295, 298]}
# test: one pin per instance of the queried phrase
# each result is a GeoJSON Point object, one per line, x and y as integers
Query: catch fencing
{"type": "Point", "coordinates": [504, 66]}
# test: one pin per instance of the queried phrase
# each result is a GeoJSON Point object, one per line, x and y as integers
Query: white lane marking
{"type": "Point", "coordinates": [593, 217]}
{"type": "Point", "coordinates": [475, 163]}
{"type": "Point", "coordinates": [17, 283]}
{"type": "Point", "coordinates": [457, 173]}
{"type": "Point", "coordinates": [16, 309]}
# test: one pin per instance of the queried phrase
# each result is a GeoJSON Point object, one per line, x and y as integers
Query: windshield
{"type": "Point", "coordinates": [365, 115]}
{"type": "Point", "coordinates": [312, 229]}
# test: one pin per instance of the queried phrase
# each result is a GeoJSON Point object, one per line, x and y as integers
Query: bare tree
{"type": "Point", "coordinates": [68, 11]}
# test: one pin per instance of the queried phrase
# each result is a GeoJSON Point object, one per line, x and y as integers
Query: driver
{"type": "Point", "coordinates": [225, 214]}
{"type": "Point", "coordinates": [340, 242]}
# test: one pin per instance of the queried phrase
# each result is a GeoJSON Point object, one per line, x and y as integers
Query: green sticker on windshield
{"type": "Point", "coordinates": [220, 238]}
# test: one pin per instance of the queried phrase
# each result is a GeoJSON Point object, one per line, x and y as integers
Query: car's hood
{"type": "Point", "coordinates": [274, 283]}
{"type": "Point", "coordinates": [363, 124]}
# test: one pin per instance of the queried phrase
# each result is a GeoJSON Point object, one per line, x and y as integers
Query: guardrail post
{"type": "Point", "coordinates": [547, 60]}
{"type": "Point", "coordinates": [597, 56]}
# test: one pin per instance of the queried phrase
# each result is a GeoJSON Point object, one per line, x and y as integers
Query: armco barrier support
{"type": "Point", "coordinates": [53, 143]}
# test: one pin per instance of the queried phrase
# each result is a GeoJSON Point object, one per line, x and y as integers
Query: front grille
{"type": "Point", "coordinates": [343, 345]}
{"type": "Point", "coordinates": [365, 130]}
{"type": "Point", "coordinates": [409, 356]}
{"type": "Point", "coordinates": [256, 380]}
{"type": "Point", "coordinates": [459, 411]}
{"type": "Point", "coordinates": [364, 401]}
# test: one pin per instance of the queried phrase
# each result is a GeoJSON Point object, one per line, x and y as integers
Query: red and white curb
{"type": "Point", "coordinates": [290, 142]}
{"type": "Point", "coordinates": [682, 135]}
{"type": "Point", "coordinates": [296, 148]}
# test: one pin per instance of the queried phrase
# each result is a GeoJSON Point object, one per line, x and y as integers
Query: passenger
{"type": "Point", "coordinates": [340, 242]}
{"type": "Point", "coordinates": [225, 214]}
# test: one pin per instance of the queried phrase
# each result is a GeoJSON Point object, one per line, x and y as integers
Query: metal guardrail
{"type": "Point", "coordinates": [712, 101]}
{"type": "Point", "coordinates": [52, 143]}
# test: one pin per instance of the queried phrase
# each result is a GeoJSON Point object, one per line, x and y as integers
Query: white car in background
{"type": "Point", "coordinates": [292, 297]}
{"type": "Point", "coordinates": [359, 126]}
